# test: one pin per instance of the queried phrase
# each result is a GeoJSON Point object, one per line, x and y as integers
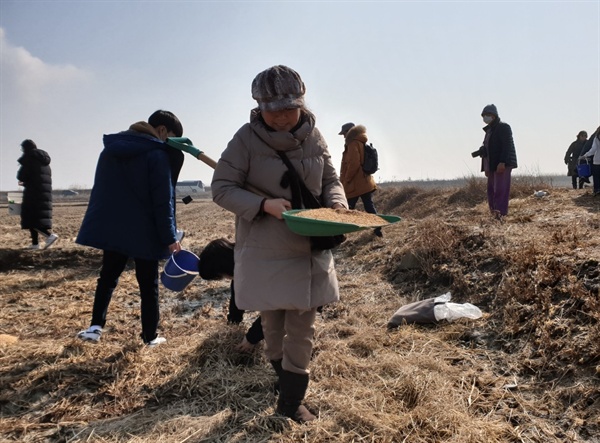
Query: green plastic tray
{"type": "Point", "coordinates": [321, 228]}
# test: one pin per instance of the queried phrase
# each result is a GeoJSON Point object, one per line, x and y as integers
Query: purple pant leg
{"type": "Point", "coordinates": [498, 191]}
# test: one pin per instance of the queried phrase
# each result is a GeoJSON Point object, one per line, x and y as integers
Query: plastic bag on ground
{"type": "Point", "coordinates": [445, 310]}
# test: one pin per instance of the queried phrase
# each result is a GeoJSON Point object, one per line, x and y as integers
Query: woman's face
{"type": "Point", "coordinates": [283, 120]}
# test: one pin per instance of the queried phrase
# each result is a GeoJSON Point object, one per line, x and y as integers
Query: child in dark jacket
{"type": "Point", "coordinates": [216, 262]}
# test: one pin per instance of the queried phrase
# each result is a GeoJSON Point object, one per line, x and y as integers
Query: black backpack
{"type": "Point", "coordinates": [371, 163]}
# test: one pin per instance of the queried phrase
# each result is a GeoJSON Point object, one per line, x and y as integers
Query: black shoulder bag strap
{"type": "Point", "coordinates": [307, 199]}
{"type": "Point", "coordinates": [318, 243]}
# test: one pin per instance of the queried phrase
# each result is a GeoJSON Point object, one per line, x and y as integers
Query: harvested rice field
{"type": "Point", "coordinates": [527, 371]}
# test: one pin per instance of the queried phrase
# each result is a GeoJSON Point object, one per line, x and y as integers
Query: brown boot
{"type": "Point", "coordinates": [292, 390]}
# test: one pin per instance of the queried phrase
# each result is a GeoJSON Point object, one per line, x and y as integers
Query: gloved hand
{"type": "Point", "coordinates": [184, 144]}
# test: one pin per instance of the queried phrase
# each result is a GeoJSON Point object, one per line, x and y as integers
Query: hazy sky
{"type": "Point", "coordinates": [416, 73]}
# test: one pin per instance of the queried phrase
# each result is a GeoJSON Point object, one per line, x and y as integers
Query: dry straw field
{"type": "Point", "coordinates": [527, 371]}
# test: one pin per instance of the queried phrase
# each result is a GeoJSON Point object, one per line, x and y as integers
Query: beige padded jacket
{"type": "Point", "coordinates": [275, 268]}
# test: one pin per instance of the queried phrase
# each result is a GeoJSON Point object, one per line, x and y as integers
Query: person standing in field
{"type": "Point", "coordinates": [572, 159]}
{"type": "Point", "coordinates": [357, 183]}
{"type": "Point", "coordinates": [131, 214]}
{"type": "Point", "coordinates": [498, 159]}
{"type": "Point", "coordinates": [35, 175]}
{"type": "Point", "coordinates": [217, 262]}
{"type": "Point", "coordinates": [276, 271]}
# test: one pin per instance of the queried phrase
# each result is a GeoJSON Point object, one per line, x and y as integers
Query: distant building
{"type": "Point", "coordinates": [189, 187]}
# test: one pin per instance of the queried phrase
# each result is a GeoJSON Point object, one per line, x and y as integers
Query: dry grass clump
{"type": "Point", "coordinates": [525, 372]}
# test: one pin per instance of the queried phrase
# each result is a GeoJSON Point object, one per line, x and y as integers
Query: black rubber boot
{"type": "Point", "coordinates": [277, 367]}
{"type": "Point", "coordinates": [292, 390]}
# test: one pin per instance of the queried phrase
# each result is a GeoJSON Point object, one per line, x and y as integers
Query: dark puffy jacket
{"type": "Point", "coordinates": [572, 157]}
{"type": "Point", "coordinates": [36, 175]}
{"type": "Point", "coordinates": [500, 146]}
{"type": "Point", "coordinates": [588, 143]}
{"type": "Point", "coordinates": [132, 204]}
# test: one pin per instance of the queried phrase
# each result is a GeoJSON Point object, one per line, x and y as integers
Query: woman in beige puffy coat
{"type": "Point", "coordinates": [276, 272]}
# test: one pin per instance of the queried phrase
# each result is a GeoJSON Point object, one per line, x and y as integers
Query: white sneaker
{"type": "Point", "coordinates": [157, 341]}
{"type": "Point", "coordinates": [33, 247]}
{"type": "Point", "coordinates": [91, 334]}
{"type": "Point", "coordinates": [51, 239]}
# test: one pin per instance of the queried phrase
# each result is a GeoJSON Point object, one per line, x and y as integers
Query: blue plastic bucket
{"type": "Point", "coordinates": [584, 169]}
{"type": "Point", "coordinates": [180, 270]}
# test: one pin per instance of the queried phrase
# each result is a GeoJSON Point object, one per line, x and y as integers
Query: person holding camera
{"type": "Point", "coordinates": [498, 159]}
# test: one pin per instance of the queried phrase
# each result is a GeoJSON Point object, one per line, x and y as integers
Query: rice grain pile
{"type": "Point", "coordinates": [344, 216]}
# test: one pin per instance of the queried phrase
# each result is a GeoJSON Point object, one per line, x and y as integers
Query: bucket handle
{"type": "Point", "coordinates": [176, 276]}
{"type": "Point", "coordinates": [180, 268]}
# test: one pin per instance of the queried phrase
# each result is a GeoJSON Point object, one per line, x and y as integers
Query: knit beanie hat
{"type": "Point", "coordinates": [277, 88]}
{"type": "Point", "coordinates": [490, 109]}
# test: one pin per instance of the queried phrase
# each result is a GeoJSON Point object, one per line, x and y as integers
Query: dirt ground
{"type": "Point", "coordinates": [527, 371]}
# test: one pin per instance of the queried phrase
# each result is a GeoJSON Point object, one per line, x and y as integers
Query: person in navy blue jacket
{"type": "Point", "coordinates": [131, 214]}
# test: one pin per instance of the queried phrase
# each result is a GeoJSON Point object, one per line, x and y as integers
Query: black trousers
{"type": "Point", "coordinates": [35, 235]}
{"type": "Point", "coordinates": [146, 273]}
{"type": "Point", "coordinates": [236, 315]}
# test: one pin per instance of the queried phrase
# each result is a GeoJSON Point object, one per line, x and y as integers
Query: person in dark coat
{"type": "Point", "coordinates": [131, 214]}
{"type": "Point", "coordinates": [572, 159]}
{"type": "Point", "coordinates": [498, 159]}
{"type": "Point", "coordinates": [35, 176]}
{"type": "Point", "coordinates": [217, 262]}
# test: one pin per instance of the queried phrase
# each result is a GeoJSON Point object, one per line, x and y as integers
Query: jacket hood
{"type": "Point", "coordinates": [138, 139]}
{"type": "Point", "coordinates": [39, 155]}
{"type": "Point", "coordinates": [358, 132]}
{"type": "Point", "coordinates": [144, 128]}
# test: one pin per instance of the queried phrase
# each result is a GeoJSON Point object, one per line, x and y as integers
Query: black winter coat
{"type": "Point", "coordinates": [572, 157]}
{"type": "Point", "coordinates": [36, 175]}
{"type": "Point", "coordinates": [500, 146]}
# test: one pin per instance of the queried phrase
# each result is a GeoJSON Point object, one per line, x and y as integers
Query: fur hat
{"type": "Point", "coordinates": [490, 109]}
{"type": "Point", "coordinates": [277, 88]}
{"type": "Point", "coordinates": [345, 128]}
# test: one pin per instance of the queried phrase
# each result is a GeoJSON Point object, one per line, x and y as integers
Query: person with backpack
{"type": "Point", "coordinates": [357, 182]}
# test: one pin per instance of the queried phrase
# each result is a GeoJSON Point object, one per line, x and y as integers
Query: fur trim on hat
{"type": "Point", "coordinates": [358, 132]}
